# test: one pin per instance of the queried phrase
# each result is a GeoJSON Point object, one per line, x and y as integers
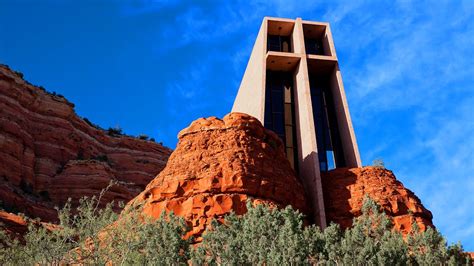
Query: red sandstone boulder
{"type": "Point", "coordinates": [48, 153]}
{"type": "Point", "coordinates": [344, 190]}
{"type": "Point", "coordinates": [217, 166]}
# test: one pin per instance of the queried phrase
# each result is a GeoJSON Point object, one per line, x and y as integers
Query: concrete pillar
{"type": "Point", "coordinates": [306, 134]}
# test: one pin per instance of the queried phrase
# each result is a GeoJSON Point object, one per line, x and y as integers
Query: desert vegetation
{"type": "Point", "coordinates": [263, 236]}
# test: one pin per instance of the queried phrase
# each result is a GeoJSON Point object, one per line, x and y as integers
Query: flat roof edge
{"type": "Point", "coordinates": [294, 20]}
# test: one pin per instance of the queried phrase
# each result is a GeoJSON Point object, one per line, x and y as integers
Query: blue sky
{"type": "Point", "coordinates": [154, 66]}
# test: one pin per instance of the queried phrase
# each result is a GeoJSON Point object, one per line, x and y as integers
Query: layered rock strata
{"type": "Point", "coordinates": [48, 153]}
{"type": "Point", "coordinates": [217, 166]}
{"type": "Point", "coordinates": [344, 191]}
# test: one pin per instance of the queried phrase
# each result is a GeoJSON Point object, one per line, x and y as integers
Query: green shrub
{"type": "Point", "coordinates": [378, 163]}
{"type": "Point", "coordinates": [262, 236]}
{"type": "Point", "coordinates": [277, 237]}
{"type": "Point", "coordinates": [143, 137]}
{"type": "Point", "coordinates": [114, 131]}
{"type": "Point", "coordinates": [371, 239]}
{"type": "Point", "coordinates": [19, 74]}
{"type": "Point", "coordinates": [91, 124]}
{"type": "Point", "coordinates": [94, 236]}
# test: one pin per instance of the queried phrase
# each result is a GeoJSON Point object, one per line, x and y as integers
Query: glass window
{"type": "Point", "coordinates": [278, 124]}
{"type": "Point", "coordinates": [279, 112]}
{"type": "Point", "coordinates": [314, 46]}
{"type": "Point", "coordinates": [327, 133]}
{"type": "Point", "coordinates": [278, 43]}
{"type": "Point", "coordinates": [273, 43]}
{"type": "Point", "coordinates": [277, 101]}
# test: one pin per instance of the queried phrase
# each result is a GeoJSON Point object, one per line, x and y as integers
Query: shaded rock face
{"type": "Point", "coordinates": [344, 190]}
{"type": "Point", "coordinates": [217, 166]}
{"type": "Point", "coordinates": [48, 153]}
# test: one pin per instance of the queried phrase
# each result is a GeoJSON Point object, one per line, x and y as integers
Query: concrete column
{"type": "Point", "coordinates": [346, 130]}
{"type": "Point", "coordinates": [306, 134]}
{"type": "Point", "coordinates": [349, 143]}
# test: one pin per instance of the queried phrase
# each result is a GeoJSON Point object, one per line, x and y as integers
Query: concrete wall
{"type": "Point", "coordinates": [251, 95]}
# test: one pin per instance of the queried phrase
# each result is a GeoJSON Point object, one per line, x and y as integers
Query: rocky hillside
{"type": "Point", "coordinates": [48, 153]}
{"type": "Point", "coordinates": [217, 166]}
{"type": "Point", "coordinates": [344, 190]}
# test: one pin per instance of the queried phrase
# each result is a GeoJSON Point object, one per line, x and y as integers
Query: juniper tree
{"type": "Point", "coordinates": [264, 235]}
{"type": "Point", "coordinates": [372, 240]}
{"type": "Point", "coordinates": [277, 237]}
{"type": "Point", "coordinates": [95, 236]}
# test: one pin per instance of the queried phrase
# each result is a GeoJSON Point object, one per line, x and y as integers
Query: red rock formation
{"type": "Point", "coordinates": [217, 166]}
{"type": "Point", "coordinates": [344, 190]}
{"type": "Point", "coordinates": [12, 224]}
{"type": "Point", "coordinates": [48, 153]}
{"type": "Point", "coordinates": [16, 226]}
{"type": "Point", "coordinates": [470, 254]}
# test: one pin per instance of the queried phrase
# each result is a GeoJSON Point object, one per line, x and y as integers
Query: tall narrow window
{"type": "Point", "coordinates": [328, 140]}
{"type": "Point", "coordinates": [279, 110]}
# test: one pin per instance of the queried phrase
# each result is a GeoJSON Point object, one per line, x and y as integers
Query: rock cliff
{"type": "Point", "coordinates": [48, 153]}
{"type": "Point", "coordinates": [344, 190]}
{"type": "Point", "coordinates": [217, 166]}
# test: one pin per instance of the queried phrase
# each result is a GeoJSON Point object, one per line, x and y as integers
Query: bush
{"type": "Point", "coordinates": [93, 236]}
{"type": "Point", "coordinates": [19, 74]}
{"type": "Point", "coordinates": [277, 237]}
{"type": "Point", "coordinates": [114, 132]}
{"type": "Point", "coordinates": [378, 163]}
{"type": "Point", "coordinates": [143, 137]}
{"type": "Point", "coordinates": [263, 236]}
{"type": "Point", "coordinates": [92, 124]}
{"type": "Point", "coordinates": [371, 240]}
